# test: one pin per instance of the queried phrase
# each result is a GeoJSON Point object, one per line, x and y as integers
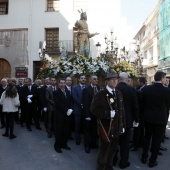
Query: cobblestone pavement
{"type": "Point", "coordinates": [34, 151]}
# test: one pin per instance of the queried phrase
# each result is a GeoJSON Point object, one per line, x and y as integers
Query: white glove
{"type": "Point", "coordinates": [123, 131]}
{"type": "Point", "coordinates": [29, 100]}
{"type": "Point", "coordinates": [45, 109]}
{"type": "Point", "coordinates": [69, 112]}
{"type": "Point", "coordinates": [135, 124]}
{"type": "Point", "coordinates": [29, 96]}
{"type": "Point", "coordinates": [88, 118]}
{"type": "Point", "coordinates": [112, 113]}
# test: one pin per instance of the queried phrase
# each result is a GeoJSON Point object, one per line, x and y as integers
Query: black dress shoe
{"type": "Point", "coordinates": [133, 149]}
{"type": "Point", "coordinates": [66, 147]}
{"type": "Point", "coordinates": [115, 159]}
{"type": "Point", "coordinates": [71, 138]}
{"type": "Point", "coordinates": [87, 149]}
{"type": "Point", "coordinates": [125, 165]}
{"type": "Point", "coordinates": [166, 137]}
{"type": "Point", "coordinates": [5, 135]}
{"type": "Point", "coordinates": [58, 150]}
{"type": "Point", "coordinates": [95, 146]}
{"type": "Point", "coordinates": [160, 153]}
{"type": "Point", "coordinates": [38, 127]}
{"type": "Point", "coordinates": [12, 136]}
{"type": "Point", "coordinates": [152, 164]}
{"type": "Point", "coordinates": [78, 141]}
{"type": "Point", "coordinates": [143, 160]}
{"type": "Point", "coordinates": [162, 148]}
{"type": "Point", "coordinates": [29, 129]}
{"type": "Point", "coordinates": [49, 135]}
{"type": "Point", "coordinates": [2, 127]}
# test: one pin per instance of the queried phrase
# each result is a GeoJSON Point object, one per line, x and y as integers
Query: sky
{"type": "Point", "coordinates": [134, 13]}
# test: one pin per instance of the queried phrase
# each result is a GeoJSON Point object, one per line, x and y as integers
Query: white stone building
{"type": "Point", "coordinates": [24, 23]}
{"type": "Point", "coordinates": [148, 41]}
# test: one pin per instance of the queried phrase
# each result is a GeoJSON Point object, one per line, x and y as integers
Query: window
{"type": "Point", "coordinates": [52, 40]}
{"type": "Point", "coordinates": [3, 8]}
{"type": "Point", "coordinates": [53, 5]}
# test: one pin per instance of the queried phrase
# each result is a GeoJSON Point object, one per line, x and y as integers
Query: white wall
{"type": "Point", "coordinates": [30, 14]}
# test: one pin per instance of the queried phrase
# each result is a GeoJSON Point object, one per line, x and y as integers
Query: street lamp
{"type": "Point", "coordinates": [139, 59]}
{"type": "Point", "coordinates": [98, 47]}
{"type": "Point", "coordinates": [111, 45]}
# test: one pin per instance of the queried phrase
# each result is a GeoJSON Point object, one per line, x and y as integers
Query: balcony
{"type": "Point", "coordinates": [68, 45]}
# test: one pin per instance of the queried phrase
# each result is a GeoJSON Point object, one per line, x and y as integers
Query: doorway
{"type": "Point", "coordinates": [5, 68]}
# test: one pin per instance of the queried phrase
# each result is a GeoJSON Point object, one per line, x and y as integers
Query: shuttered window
{"type": "Point", "coordinates": [52, 40]}
{"type": "Point", "coordinates": [53, 5]}
{"type": "Point", "coordinates": [3, 8]}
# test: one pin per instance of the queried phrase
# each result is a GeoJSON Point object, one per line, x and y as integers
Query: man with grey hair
{"type": "Point", "coordinates": [131, 117]}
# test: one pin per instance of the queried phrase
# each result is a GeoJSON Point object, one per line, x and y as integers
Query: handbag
{"type": "Point", "coordinates": [102, 131]}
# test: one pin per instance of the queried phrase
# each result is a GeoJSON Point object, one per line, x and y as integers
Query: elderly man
{"type": "Point", "coordinates": [131, 115]}
{"type": "Point", "coordinates": [107, 106]}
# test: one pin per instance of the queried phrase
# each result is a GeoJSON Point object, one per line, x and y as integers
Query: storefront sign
{"type": "Point", "coordinates": [21, 72]}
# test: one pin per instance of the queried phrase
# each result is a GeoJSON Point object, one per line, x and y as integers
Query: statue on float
{"type": "Point", "coordinates": [82, 35]}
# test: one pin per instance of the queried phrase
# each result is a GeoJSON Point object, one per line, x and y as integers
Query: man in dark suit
{"type": "Point", "coordinates": [155, 104]}
{"type": "Point", "coordinates": [78, 106]}
{"type": "Point", "coordinates": [38, 84]}
{"type": "Point", "coordinates": [21, 108]}
{"type": "Point", "coordinates": [90, 121]}
{"type": "Point", "coordinates": [42, 95]}
{"type": "Point", "coordinates": [29, 97]}
{"type": "Point", "coordinates": [138, 134]}
{"type": "Point", "coordinates": [63, 105]}
{"type": "Point", "coordinates": [2, 89]}
{"type": "Point", "coordinates": [107, 106]}
{"type": "Point", "coordinates": [69, 88]}
{"type": "Point", "coordinates": [50, 106]}
{"type": "Point", "coordinates": [131, 116]}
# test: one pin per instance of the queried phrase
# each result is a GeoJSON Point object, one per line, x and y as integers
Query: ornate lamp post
{"type": "Point", "coordinates": [111, 50]}
{"type": "Point", "coordinates": [111, 45]}
{"type": "Point", "coordinates": [98, 47]}
{"type": "Point", "coordinates": [137, 58]}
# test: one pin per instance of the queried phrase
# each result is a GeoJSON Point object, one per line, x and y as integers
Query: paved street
{"type": "Point", "coordinates": [34, 151]}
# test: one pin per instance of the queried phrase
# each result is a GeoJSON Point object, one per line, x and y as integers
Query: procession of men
{"type": "Point", "coordinates": [74, 112]}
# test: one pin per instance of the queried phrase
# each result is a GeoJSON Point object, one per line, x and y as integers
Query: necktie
{"type": "Point", "coordinates": [64, 93]}
{"type": "Point", "coordinates": [29, 87]}
{"type": "Point", "coordinates": [94, 89]}
{"type": "Point", "coordinates": [69, 89]}
{"type": "Point", "coordinates": [53, 88]}
{"type": "Point", "coordinates": [114, 94]}
{"type": "Point", "coordinates": [82, 87]}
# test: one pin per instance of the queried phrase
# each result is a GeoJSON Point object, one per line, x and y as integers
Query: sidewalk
{"type": "Point", "coordinates": [34, 151]}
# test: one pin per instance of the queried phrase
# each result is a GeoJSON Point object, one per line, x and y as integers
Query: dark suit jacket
{"type": "Point", "coordinates": [62, 104]}
{"type": "Point", "coordinates": [130, 103]}
{"type": "Point", "coordinates": [42, 95]}
{"type": "Point", "coordinates": [155, 103]}
{"type": "Point", "coordinates": [87, 97]}
{"type": "Point", "coordinates": [50, 99]}
{"type": "Point", "coordinates": [25, 92]}
{"type": "Point", "coordinates": [139, 97]}
{"type": "Point", "coordinates": [77, 97]}
{"type": "Point", "coordinates": [1, 90]}
{"type": "Point", "coordinates": [101, 109]}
